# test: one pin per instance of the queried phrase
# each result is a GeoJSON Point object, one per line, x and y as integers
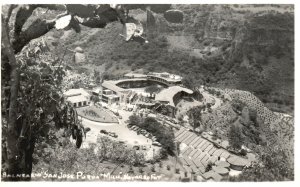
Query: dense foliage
{"type": "Point", "coordinates": [89, 160]}
{"type": "Point", "coordinates": [195, 117]}
{"type": "Point", "coordinates": [273, 166]}
{"type": "Point", "coordinates": [163, 134]}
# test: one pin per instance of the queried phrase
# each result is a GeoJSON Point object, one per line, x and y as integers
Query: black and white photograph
{"type": "Point", "coordinates": [147, 92]}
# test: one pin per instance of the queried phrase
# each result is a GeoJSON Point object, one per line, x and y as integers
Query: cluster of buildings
{"type": "Point", "coordinates": [123, 90]}
{"type": "Point", "coordinates": [120, 91]}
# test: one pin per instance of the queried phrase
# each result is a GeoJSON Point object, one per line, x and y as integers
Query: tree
{"type": "Point", "coordinates": [235, 136]}
{"type": "Point", "coordinates": [237, 106]}
{"type": "Point", "coordinates": [95, 99]}
{"type": "Point", "coordinates": [208, 167]}
{"type": "Point", "coordinates": [191, 82]}
{"type": "Point", "coordinates": [97, 76]}
{"type": "Point", "coordinates": [134, 120]}
{"type": "Point", "coordinates": [195, 116]}
{"type": "Point", "coordinates": [152, 89]}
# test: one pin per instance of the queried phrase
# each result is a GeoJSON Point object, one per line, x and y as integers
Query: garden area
{"type": "Point", "coordinates": [97, 114]}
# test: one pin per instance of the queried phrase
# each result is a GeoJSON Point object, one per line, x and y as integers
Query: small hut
{"type": "Point", "coordinates": [220, 170]}
{"type": "Point", "coordinates": [237, 163]}
{"type": "Point", "coordinates": [79, 56]}
{"type": "Point", "coordinates": [223, 164]}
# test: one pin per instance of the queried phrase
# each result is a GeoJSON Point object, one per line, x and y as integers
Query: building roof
{"type": "Point", "coordinates": [111, 85]}
{"type": "Point", "coordinates": [168, 94]}
{"type": "Point", "coordinates": [78, 50]}
{"type": "Point", "coordinates": [223, 164]}
{"type": "Point", "coordinates": [144, 103]}
{"type": "Point", "coordinates": [166, 76]}
{"type": "Point", "coordinates": [129, 80]}
{"type": "Point", "coordinates": [238, 161]}
{"type": "Point", "coordinates": [135, 75]}
{"type": "Point", "coordinates": [97, 90]}
{"type": "Point", "coordinates": [211, 174]}
{"type": "Point", "coordinates": [76, 99]}
{"type": "Point", "coordinates": [75, 92]}
{"type": "Point", "coordinates": [220, 170]}
{"type": "Point", "coordinates": [111, 96]}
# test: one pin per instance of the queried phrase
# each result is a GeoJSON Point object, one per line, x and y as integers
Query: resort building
{"type": "Point", "coordinates": [172, 95]}
{"type": "Point", "coordinates": [112, 93]}
{"type": "Point", "coordinates": [126, 90]}
{"type": "Point", "coordinates": [165, 78]}
{"type": "Point", "coordinates": [78, 97]}
{"type": "Point", "coordinates": [135, 75]}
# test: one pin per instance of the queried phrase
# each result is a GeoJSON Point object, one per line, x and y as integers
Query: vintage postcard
{"type": "Point", "coordinates": [147, 92]}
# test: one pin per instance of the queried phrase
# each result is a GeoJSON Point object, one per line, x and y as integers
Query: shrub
{"type": "Point", "coordinates": [141, 170]}
{"type": "Point", "coordinates": [209, 167]}
{"type": "Point", "coordinates": [153, 168]}
{"type": "Point", "coordinates": [243, 152]}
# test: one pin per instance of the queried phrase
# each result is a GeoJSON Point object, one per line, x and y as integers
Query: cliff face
{"type": "Point", "coordinates": [264, 46]}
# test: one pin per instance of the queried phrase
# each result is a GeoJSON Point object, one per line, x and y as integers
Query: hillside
{"type": "Point", "coordinates": [259, 125]}
{"type": "Point", "coordinates": [235, 46]}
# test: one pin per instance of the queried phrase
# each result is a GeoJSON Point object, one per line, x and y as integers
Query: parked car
{"type": "Point", "coordinates": [143, 131]}
{"type": "Point", "coordinates": [144, 147]}
{"type": "Point", "coordinates": [103, 131]}
{"type": "Point", "coordinates": [136, 147]}
{"type": "Point", "coordinates": [156, 144]}
{"type": "Point", "coordinates": [129, 126]}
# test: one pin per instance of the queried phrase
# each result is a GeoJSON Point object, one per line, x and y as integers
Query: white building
{"type": "Point", "coordinates": [78, 97]}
